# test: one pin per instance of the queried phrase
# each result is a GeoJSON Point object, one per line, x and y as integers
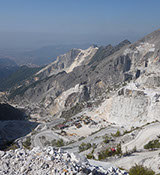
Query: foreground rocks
{"type": "Point", "coordinates": [49, 161]}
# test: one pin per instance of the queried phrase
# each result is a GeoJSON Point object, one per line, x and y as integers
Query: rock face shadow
{"type": "Point", "coordinates": [13, 124]}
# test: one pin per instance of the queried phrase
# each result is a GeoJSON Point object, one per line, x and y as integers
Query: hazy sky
{"type": "Point", "coordinates": [25, 23]}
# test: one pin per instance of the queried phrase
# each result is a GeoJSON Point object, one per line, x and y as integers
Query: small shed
{"type": "Point", "coordinates": [61, 126]}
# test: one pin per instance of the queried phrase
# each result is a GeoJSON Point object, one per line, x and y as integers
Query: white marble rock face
{"type": "Point", "coordinates": [49, 161]}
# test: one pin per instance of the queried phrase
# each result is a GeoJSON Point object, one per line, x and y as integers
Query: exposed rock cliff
{"type": "Point", "coordinates": [92, 78]}
{"type": "Point", "coordinates": [68, 61]}
{"type": "Point", "coordinates": [90, 73]}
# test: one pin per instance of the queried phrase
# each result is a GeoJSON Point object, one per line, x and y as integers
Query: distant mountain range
{"type": "Point", "coordinates": [6, 63]}
{"type": "Point", "coordinates": [11, 74]}
{"type": "Point", "coordinates": [41, 56]}
{"type": "Point", "coordinates": [7, 67]}
{"type": "Point", "coordinates": [17, 77]}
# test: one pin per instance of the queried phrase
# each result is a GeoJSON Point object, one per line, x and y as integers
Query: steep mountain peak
{"type": "Point", "coordinates": [123, 43]}
{"type": "Point", "coordinates": [68, 61]}
{"type": "Point", "coordinates": [72, 51]}
{"type": "Point", "coordinates": [109, 46]}
{"type": "Point", "coordinates": [93, 46]}
{"type": "Point", "coordinates": [152, 38]}
{"type": "Point", "coordinates": [83, 57]}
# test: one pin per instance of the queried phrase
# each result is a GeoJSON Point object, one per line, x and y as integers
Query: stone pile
{"type": "Point", "coordinates": [49, 161]}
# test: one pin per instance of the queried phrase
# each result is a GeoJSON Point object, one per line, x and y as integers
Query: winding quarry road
{"type": "Point", "coordinates": [49, 134]}
{"type": "Point", "coordinates": [138, 158]}
{"type": "Point", "coordinates": [147, 134]}
{"type": "Point", "coordinates": [95, 138]}
{"type": "Point", "coordinates": [74, 146]}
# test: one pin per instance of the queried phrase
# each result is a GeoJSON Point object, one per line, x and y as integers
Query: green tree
{"type": "Point", "coordinates": [27, 143]}
{"type": "Point", "coordinates": [152, 144]}
{"type": "Point", "coordinates": [140, 170]}
{"type": "Point", "coordinates": [60, 143]}
{"type": "Point", "coordinates": [117, 134]}
{"type": "Point", "coordinates": [84, 146]}
{"type": "Point", "coordinates": [119, 149]}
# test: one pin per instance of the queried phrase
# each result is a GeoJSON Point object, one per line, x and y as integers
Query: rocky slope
{"type": "Point", "coordinates": [102, 71]}
{"type": "Point", "coordinates": [50, 161]}
{"type": "Point", "coordinates": [84, 82]}
{"type": "Point", "coordinates": [68, 61]}
{"type": "Point", "coordinates": [137, 103]}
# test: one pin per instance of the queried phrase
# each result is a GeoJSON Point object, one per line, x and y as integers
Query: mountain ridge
{"type": "Point", "coordinates": [106, 68]}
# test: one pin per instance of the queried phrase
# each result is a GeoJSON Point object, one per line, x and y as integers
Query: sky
{"type": "Point", "coordinates": [35, 23]}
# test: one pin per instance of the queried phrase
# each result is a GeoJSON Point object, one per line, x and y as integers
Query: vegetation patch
{"type": "Point", "coordinates": [152, 144]}
{"type": "Point", "coordinates": [107, 139]}
{"type": "Point", "coordinates": [27, 143]}
{"type": "Point", "coordinates": [57, 143]}
{"type": "Point", "coordinates": [117, 134]}
{"type": "Point", "coordinates": [90, 155]}
{"type": "Point", "coordinates": [133, 129]}
{"type": "Point", "coordinates": [96, 131]}
{"type": "Point", "coordinates": [109, 152]}
{"type": "Point", "coordinates": [84, 146]}
{"type": "Point", "coordinates": [140, 170]}
{"type": "Point", "coordinates": [81, 138]}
